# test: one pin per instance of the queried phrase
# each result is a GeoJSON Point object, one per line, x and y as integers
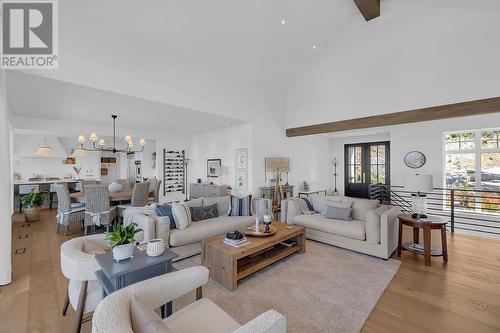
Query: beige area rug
{"type": "Point", "coordinates": [326, 289]}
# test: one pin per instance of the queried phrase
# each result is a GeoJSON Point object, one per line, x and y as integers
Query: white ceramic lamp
{"type": "Point", "coordinates": [419, 184]}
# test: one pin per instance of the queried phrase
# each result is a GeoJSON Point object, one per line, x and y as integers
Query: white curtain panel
{"type": "Point", "coordinates": [5, 187]}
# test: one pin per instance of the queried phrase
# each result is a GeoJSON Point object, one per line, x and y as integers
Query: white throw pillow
{"type": "Point", "coordinates": [361, 206]}
{"type": "Point", "coordinates": [182, 215]}
{"type": "Point", "coordinates": [318, 202]}
{"type": "Point", "coordinates": [373, 224]}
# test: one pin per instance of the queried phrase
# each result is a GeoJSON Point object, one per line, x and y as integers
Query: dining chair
{"type": "Point", "coordinates": [67, 212]}
{"type": "Point", "coordinates": [154, 196]}
{"type": "Point", "coordinates": [97, 208]}
{"type": "Point", "coordinates": [140, 194]}
{"type": "Point", "coordinates": [78, 264]}
{"type": "Point", "coordinates": [83, 183]}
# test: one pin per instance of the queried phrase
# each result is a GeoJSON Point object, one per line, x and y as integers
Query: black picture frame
{"type": "Point", "coordinates": [214, 166]}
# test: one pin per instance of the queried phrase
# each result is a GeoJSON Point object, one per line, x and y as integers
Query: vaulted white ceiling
{"type": "Point", "coordinates": [231, 58]}
{"type": "Point", "coordinates": [227, 57]}
{"type": "Point", "coordinates": [75, 104]}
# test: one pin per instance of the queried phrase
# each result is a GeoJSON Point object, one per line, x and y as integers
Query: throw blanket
{"type": "Point", "coordinates": [128, 214]}
{"type": "Point", "coordinates": [302, 205]}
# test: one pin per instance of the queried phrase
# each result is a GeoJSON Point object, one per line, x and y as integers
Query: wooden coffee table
{"type": "Point", "coordinates": [228, 264]}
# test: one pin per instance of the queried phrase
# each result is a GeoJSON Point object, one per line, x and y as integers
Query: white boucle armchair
{"type": "Point", "coordinates": [113, 313]}
{"type": "Point", "coordinates": [84, 291]}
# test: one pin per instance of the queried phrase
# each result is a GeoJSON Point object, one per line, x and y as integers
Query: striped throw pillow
{"type": "Point", "coordinates": [241, 206]}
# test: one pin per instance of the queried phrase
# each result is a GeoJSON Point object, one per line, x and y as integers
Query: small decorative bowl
{"type": "Point", "coordinates": [155, 247]}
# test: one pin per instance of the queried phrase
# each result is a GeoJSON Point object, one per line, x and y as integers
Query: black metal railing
{"type": "Point", "coordinates": [465, 209]}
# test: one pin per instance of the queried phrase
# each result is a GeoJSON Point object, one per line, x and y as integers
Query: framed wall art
{"type": "Point", "coordinates": [214, 167]}
{"type": "Point", "coordinates": [241, 157]}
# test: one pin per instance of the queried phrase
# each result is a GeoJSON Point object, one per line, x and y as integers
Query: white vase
{"type": "Point", "coordinates": [155, 247]}
{"type": "Point", "coordinates": [114, 187]}
{"type": "Point", "coordinates": [121, 252]}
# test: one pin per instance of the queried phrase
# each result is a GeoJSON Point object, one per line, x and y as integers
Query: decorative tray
{"type": "Point", "coordinates": [250, 231]}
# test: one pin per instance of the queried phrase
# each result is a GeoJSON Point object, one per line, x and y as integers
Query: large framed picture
{"type": "Point", "coordinates": [241, 158]}
{"type": "Point", "coordinates": [241, 180]}
{"type": "Point", "coordinates": [214, 167]}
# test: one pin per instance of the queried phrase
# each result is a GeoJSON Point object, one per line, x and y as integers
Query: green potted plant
{"type": "Point", "coordinates": [31, 203]}
{"type": "Point", "coordinates": [122, 241]}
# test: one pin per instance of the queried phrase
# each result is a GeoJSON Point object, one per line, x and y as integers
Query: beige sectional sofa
{"type": "Point", "coordinates": [373, 229]}
{"type": "Point", "coordinates": [187, 242]}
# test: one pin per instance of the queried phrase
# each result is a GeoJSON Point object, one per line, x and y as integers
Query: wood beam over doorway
{"type": "Point", "coordinates": [464, 109]}
{"type": "Point", "coordinates": [369, 8]}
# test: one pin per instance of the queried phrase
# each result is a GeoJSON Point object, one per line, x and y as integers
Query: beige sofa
{"type": "Point", "coordinates": [187, 242]}
{"type": "Point", "coordinates": [373, 229]}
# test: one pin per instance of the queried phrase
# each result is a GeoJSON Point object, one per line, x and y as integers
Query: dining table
{"type": "Point", "coordinates": [122, 195]}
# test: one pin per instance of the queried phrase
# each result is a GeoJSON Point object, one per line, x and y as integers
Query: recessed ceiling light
{"type": "Point", "coordinates": [283, 22]}
{"type": "Point", "coordinates": [314, 47]}
{"type": "Point", "coordinates": [228, 124]}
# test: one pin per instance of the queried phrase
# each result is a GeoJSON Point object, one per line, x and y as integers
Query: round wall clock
{"type": "Point", "coordinates": [415, 159]}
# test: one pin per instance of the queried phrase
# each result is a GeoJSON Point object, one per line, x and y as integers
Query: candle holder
{"type": "Point", "coordinates": [267, 222]}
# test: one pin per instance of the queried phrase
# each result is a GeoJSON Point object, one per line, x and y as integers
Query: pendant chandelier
{"type": "Point", "coordinates": [99, 144]}
{"type": "Point", "coordinates": [44, 149]}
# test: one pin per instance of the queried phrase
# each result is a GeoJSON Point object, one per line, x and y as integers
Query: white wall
{"type": "Point", "coordinates": [412, 56]}
{"type": "Point", "coordinates": [146, 158]}
{"type": "Point", "coordinates": [264, 137]}
{"type": "Point", "coordinates": [426, 137]}
{"type": "Point", "coordinates": [220, 144]}
{"type": "Point", "coordinates": [5, 188]}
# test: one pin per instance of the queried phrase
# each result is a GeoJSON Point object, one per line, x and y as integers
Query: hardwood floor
{"type": "Point", "coordinates": [461, 296]}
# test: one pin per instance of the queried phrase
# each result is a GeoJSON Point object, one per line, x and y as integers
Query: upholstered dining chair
{"type": "Point", "coordinates": [118, 311]}
{"type": "Point", "coordinates": [97, 208]}
{"type": "Point", "coordinates": [84, 182]}
{"type": "Point", "coordinates": [78, 265]}
{"type": "Point", "coordinates": [67, 212]}
{"type": "Point", "coordinates": [139, 198]}
{"type": "Point", "coordinates": [154, 190]}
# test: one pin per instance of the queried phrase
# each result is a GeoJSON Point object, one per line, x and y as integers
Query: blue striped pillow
{"type": "Point", "coordinates": [241, 206]}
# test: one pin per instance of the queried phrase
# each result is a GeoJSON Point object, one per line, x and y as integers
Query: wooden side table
{"type": "Point", "coordinates": [427, 225]}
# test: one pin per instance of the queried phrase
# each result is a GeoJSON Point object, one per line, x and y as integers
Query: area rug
{"type": "Point", "coordinates": [325, 289]}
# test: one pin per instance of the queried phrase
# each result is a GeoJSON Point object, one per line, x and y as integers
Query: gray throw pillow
{"type": "Point", "coordinates": [203, 212]}
{"type": "Point", "coordinates": [339, 213]}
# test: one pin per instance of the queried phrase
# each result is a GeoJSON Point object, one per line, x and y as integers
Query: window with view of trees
{"type": "Point", "coordinates": [472, 162]}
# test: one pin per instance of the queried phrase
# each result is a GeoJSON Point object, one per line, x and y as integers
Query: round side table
{"type": "Point", "coordinates": [427, 225]}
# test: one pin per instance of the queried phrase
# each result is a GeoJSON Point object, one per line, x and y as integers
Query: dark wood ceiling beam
{"type": "Point", "coordinates": [369, 8]}
{"type": "Point", "coordinates": [464, 109]}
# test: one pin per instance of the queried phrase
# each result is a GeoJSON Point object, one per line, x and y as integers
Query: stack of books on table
{"type": "Point", "coordinates": [236, 242]}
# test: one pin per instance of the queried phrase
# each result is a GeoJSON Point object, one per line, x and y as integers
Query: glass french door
{"type": "Point", "coordinates": [365, 164]}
